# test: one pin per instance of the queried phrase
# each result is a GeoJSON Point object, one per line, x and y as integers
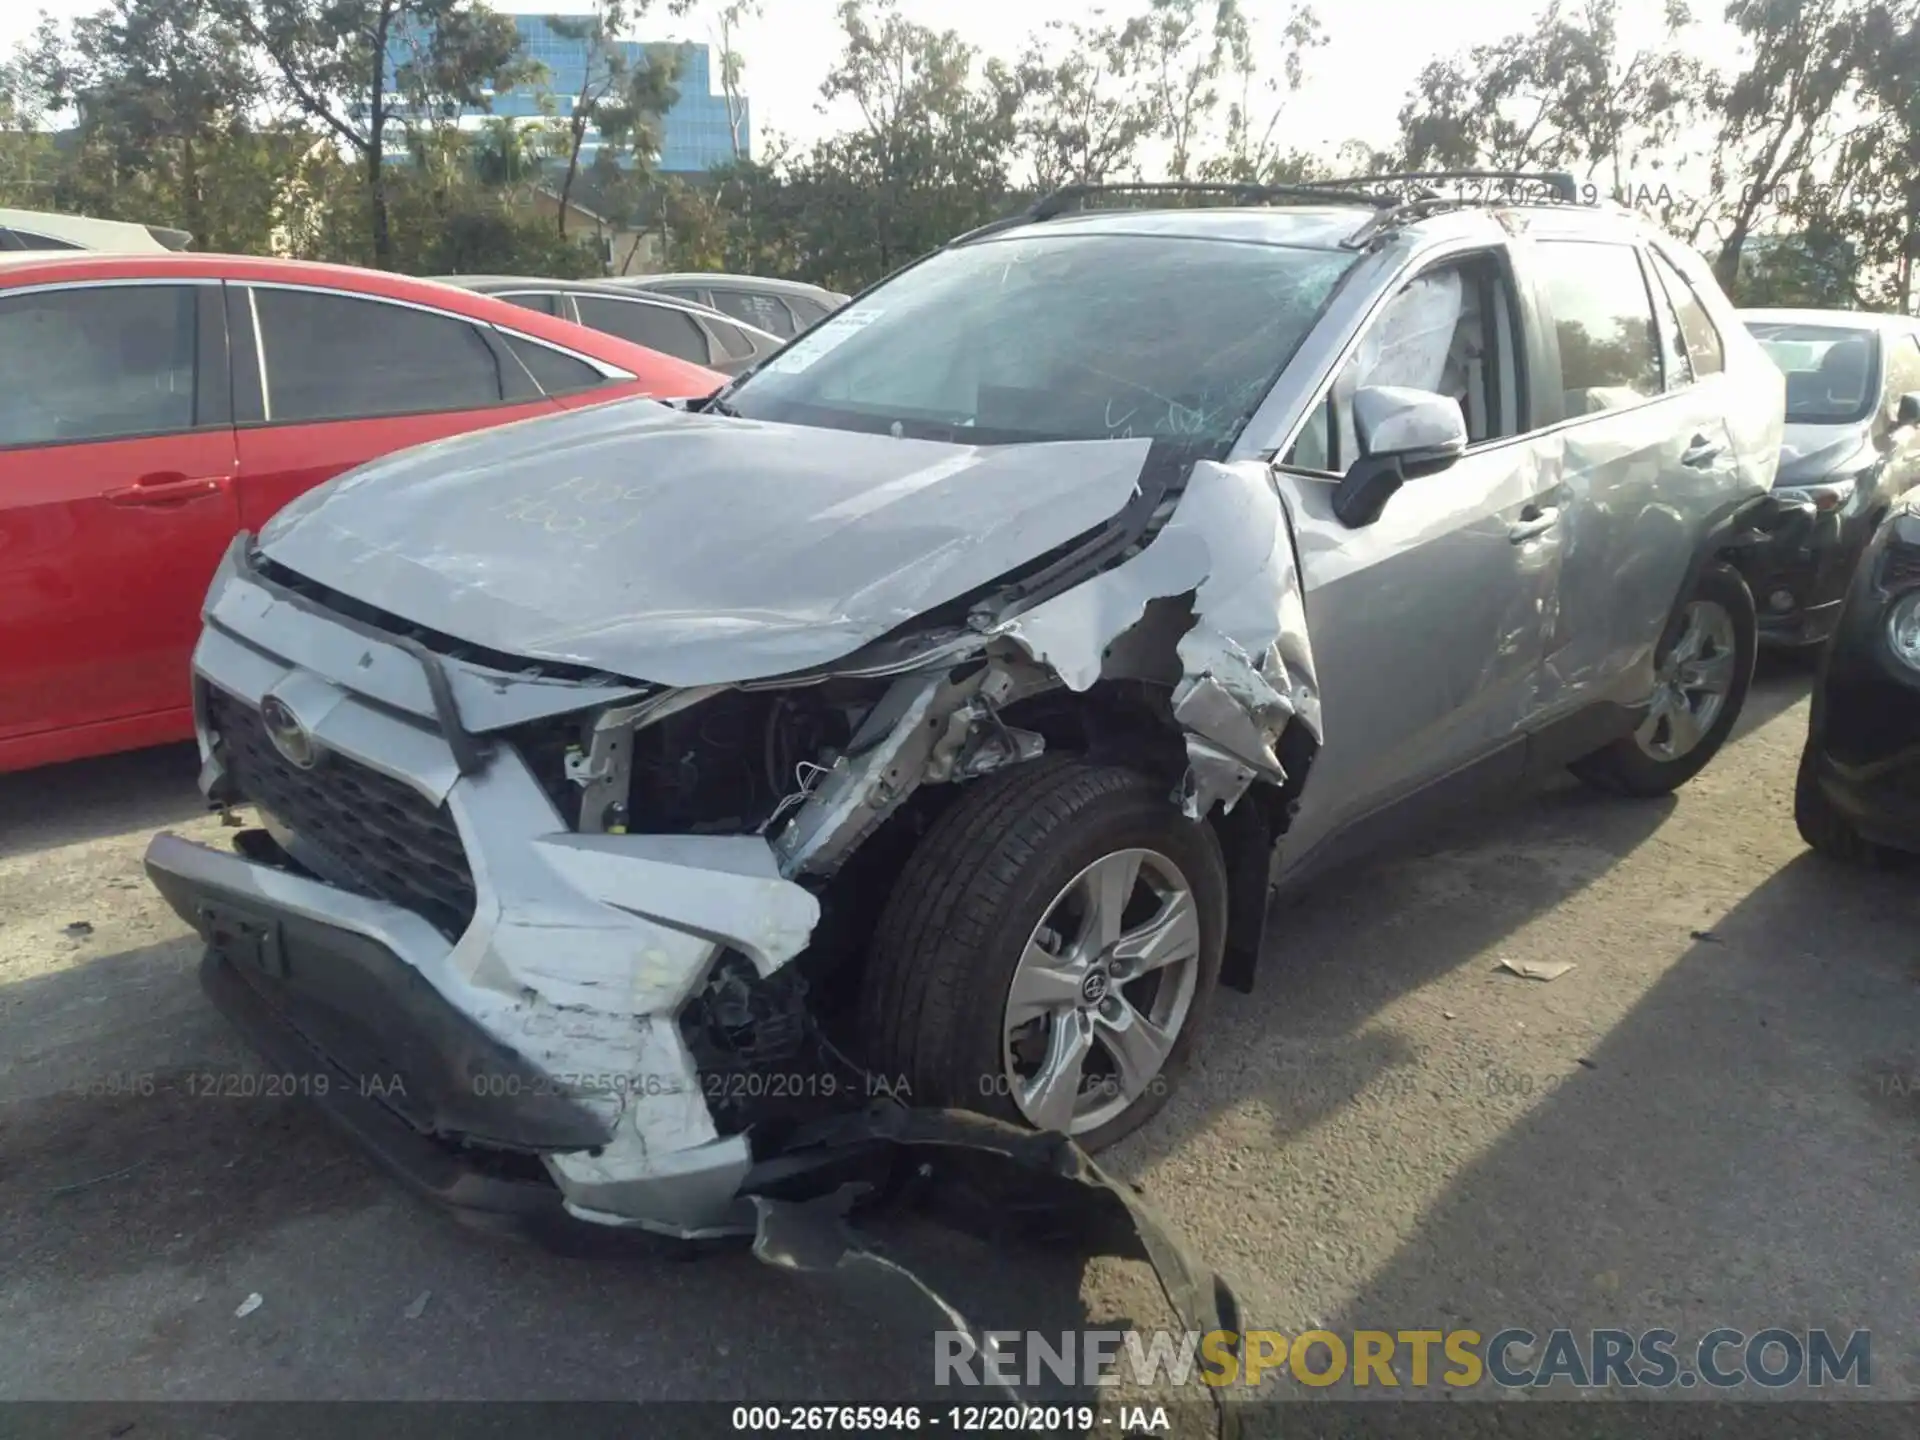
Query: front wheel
{"type": "Point", "coordinates": [1049, 950]}
{"type": "Point", "coordinates": [1700, 683]}
{"type": "Point", "coordinates": [1823, 827]}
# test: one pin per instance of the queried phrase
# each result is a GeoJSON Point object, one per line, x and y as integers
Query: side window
{"type": "Point", "coordinates": [734, 343]}
{"type": "Point", "coordinates": [1451, 331]}
{"type": "Point", "coordinates": [1603, 316]}
{"type": "Point", "coordinates": [658, 327]}
{"type": "Point", "coordinates": [556, 373]}
{"type": "Point", "coordinates": [1903, 369]}
{"type": "Point", "coordinates": [1706, 352]}
{"type": "Point", "coordinates": [1675, 366]}
{"type": "Point", "coordinates": [27, 240]}
{"type": "Point", "coordinates": [335, 357]}
{"type": "Point", "coordinates": [533, 300]}
{"type": "Point", "coordinates": [763, 312]}
{"type": "Point", "coordinates": [96, 363]}
{"type": "Point", "coordinates": [806, 313]}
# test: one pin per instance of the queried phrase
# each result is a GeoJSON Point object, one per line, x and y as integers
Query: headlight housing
{"type": "Point", "coordinates": [1826, 495]}
{"type": "Point", "coordinates": [1903, 630]}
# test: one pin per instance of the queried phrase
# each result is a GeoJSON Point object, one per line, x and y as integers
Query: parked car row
{"type": "Point", "coordinates": [1851, 450]}
{"type": "Point", "coordinates": [672, 326]}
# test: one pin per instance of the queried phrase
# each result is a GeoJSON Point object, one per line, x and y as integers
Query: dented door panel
{"type": "Point", "coordinates": [1428, 626]}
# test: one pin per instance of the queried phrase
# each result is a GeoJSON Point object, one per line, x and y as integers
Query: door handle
{"type": "Point", "coordinates": [163, 487]}
{"type": "Point", "coordinates": [1534, 520]}
{"type": "Point", "coordinates": [1701, 453]}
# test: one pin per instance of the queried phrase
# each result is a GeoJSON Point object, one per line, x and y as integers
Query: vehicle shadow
{"type": "Point", "coordinates": [1349, 943]}
{"type": "Point", "coordinates": [1760, 1100]}
{"type": "Point", "coordinates": [87, 799]}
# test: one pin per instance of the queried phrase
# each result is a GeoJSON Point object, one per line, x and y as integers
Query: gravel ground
{"type": "Point", "coordinates": [1713, 1119]}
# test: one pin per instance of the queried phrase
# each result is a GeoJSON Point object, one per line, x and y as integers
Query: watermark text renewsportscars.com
{"type": "Point", "coordinates": [1513, 1358]}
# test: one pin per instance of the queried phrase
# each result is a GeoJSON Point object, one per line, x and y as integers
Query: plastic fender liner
{"type": "Point", "coordinates": [987, 1178]}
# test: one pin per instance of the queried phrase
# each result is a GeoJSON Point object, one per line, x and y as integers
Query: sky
{"type": "Point", "coordinates": [1354, 90]}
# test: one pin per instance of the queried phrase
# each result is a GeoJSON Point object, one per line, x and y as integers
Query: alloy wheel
{"type": "Point", "coordinates": [1102, 988]}
{"type": "Point", "coordinates": [1691, 684]}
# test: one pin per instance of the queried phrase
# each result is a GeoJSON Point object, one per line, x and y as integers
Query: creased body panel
{"type": "Point", "coordinates": [692, 549]}
{"type": "Point", "coordinates": [1247, 664]}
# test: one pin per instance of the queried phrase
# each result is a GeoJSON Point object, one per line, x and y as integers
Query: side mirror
{"type": "Point", "coordinates": [1403, 434]}
{"type": "Point", "coordinates": [1907, 412]}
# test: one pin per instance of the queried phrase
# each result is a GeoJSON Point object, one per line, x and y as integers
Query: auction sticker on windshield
{"type": "Point", "coordinates": [832, 332]}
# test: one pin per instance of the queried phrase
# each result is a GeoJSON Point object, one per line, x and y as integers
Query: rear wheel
{"type": "Point", "coordinates": [1049, 951]}
{"type": "Point", "coordinates": [1700, 683]}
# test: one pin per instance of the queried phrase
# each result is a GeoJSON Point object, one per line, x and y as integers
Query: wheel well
{"type": "Point", "coordinates": [1118, 722]}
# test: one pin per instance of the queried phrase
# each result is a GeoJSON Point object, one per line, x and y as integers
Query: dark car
{"type": "Point", "coordinates": [781, 307]}
{"type": "Point", "coordinates": [1858, 791]}
{"type": "Point", "coordinates": [1851, 449]}
{"type": "Point", "coordinates": [671, 326]}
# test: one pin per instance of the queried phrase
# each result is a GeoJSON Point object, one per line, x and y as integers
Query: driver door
{"type": "Point", "coordinates": [1428, 624]}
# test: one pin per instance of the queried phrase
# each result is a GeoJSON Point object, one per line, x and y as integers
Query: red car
{"type": "Point", "coordinates": [153, 405]}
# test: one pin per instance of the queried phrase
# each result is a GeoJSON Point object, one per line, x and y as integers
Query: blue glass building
{"type": "Point", "coordinates": [697, 131]}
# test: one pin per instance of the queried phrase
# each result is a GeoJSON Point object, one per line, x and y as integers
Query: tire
{"type": "Point", "coordinates": [1012, 851]}
{"type": "Point", "coordinates": [1824, 828]}
{"type": "Point", "coordinates": [1630, 765]}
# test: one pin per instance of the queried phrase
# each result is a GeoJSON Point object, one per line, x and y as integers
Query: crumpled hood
{"type": "Point", "coordinates": [690, 549]}
{"type": "Point", "coordinates": [1810, 453]}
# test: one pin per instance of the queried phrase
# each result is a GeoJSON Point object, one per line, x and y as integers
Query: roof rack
{"type": "Point", "coordinates": [1069, 197]}
{"type": "Point", "coordinates": [1330, 192]}
{"type": "Point", "coordinates": [1378, 193]}
{"type": "Point", "coordinates": [1560, 186]}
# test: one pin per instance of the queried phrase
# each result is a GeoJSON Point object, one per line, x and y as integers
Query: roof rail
{"type": "Point", "coordinates": [1069, 197]}
{"type": "Point", "coordinates": [1502, 185]}
{"type": "Point", "coordinates": [1063, 199]}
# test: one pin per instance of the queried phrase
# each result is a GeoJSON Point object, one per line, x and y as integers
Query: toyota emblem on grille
{"type": "Point", "coordinates": [288, 735]}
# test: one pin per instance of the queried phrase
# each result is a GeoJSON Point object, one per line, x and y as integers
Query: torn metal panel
{"type": "Point", "coordinates": [1247, 663]}
{"type": "Point", "coordinates": [692, 549]}
{"type": "Point", "coordinates": [1213, 778]}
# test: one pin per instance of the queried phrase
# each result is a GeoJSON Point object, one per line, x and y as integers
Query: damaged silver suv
{"type": "Point", "coordinates": [932, 709]}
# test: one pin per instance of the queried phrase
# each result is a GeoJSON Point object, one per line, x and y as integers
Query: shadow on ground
{"type": "Point", "coordinates": [1776, 1075]}
{"type": "Point", "coordinates": [63, 804]}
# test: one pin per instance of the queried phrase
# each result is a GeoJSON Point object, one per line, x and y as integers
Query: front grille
{"type": "Point", "coordinates": [367, 832]}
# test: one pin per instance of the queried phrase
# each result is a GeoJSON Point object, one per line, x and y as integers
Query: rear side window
{"type": "Point", "coordinates": [1706, 352]}
{"type": "Point", "coordinates": [807, 312]}
{"type": "Point", "coordinates": [27, 240]}
{"type": "Point", "coordinates": [96, 363]}
{"type": "Point", "coordinates": [335, 357]}
{"type": "Point", "coordinates": [763, 312]}
{"type": "Point", "coordinates": [556, 373]}
{"type": "Point", "coordinates": [658, 327]}
{"type": "Point", "coordinates": [1603, 316]}
{"type": "Point", "coordinates": [735, 344]}
{"type": "Point", "coordinates": [543, 301]}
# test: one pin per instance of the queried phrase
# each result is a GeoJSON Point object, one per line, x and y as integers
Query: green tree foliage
{"type": "Point", "coordinates": [328, 60]}
{"type": "Point", "coordinates": [333, 128]}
